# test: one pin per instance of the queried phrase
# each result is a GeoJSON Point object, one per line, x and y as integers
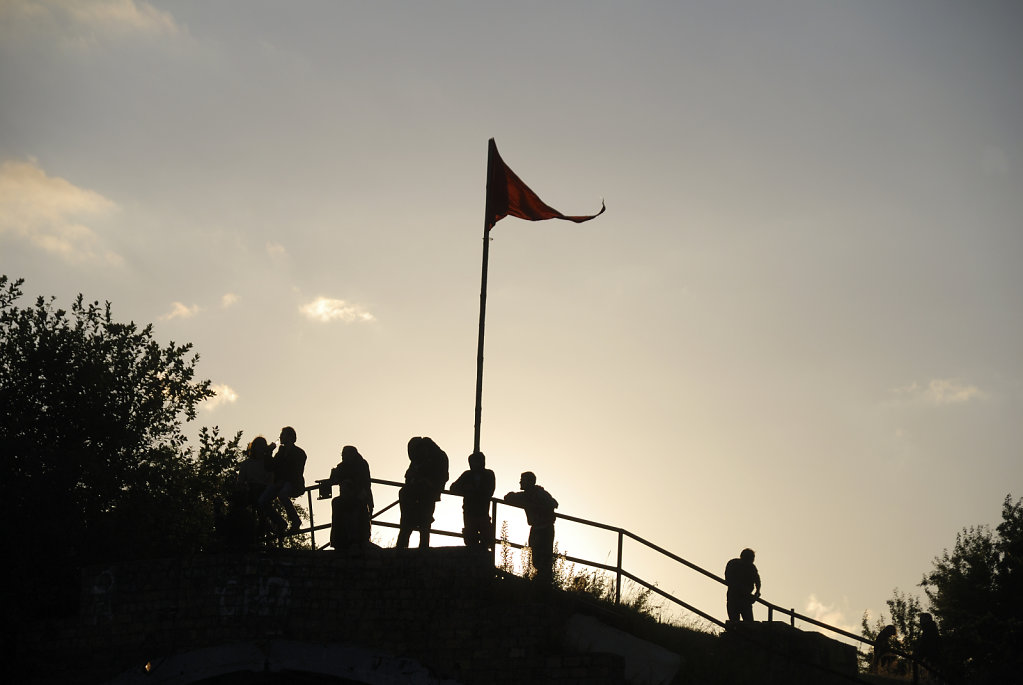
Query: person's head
{"type": "Point", "coordinates": [349, 452]}
{"type": "Point", "coordinates": [415, 446]}
{"type": "Point", "coordinates": [527, 480]}
{"type": "Point", "coordinates": [288, 436]}
{"type": "Point", "coordinates": [257, 447]}
{"type": "Point", "coordinates": [747, 555]}
{"type": "Point", "coordinates": [926, 620]}
{"type": "Point", "coordinates": [477, 461]}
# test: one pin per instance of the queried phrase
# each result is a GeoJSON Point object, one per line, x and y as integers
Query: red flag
{"type": "Point", "coordinates": [507, 195]}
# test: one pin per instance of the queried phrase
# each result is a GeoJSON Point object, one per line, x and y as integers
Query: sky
{"type": "Point", "coordinates": [798, 327]}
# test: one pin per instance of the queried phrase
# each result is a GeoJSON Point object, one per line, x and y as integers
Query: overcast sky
{"type": "Point", "coordinates": [798, 327]}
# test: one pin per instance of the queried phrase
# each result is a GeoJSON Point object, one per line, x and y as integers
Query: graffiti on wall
{"type": "Point", "coordinates": [268, 596]}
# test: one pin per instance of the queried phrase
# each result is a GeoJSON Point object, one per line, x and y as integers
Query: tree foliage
{"type": "Point", "coordinates": [94, 457]}
{"type": "Point", "coordinates": [976, 594]}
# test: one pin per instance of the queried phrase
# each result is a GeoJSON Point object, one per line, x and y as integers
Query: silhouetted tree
{"type": "Point", "coordinates": [94, 461]}
{"type": "Point", "coordinates": [976, 595]}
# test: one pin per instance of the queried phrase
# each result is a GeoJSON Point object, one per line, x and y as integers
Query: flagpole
{"type": "Point", "coordinates": [507, 195]}
{"type": "Point", "coordinates": [479, 348]}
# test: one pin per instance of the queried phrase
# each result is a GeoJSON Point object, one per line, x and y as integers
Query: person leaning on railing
{"type": "Point", "coordinates": [539, 506]}
{"type": "Point", "coordinates": [476, 487]}
{"type": "Point", "coordinates": [352, 509]}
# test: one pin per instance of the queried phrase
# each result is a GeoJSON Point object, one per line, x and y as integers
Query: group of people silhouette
{"type": "Point", "coordinates": [886, 659]}
{"type": "Point", "coordinates": [265, 479]}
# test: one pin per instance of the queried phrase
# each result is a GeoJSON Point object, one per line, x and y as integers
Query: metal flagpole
{"type": "Point", "coordinates": [479, 348]}
{"type": "Point", "coordinates": [488, 219]}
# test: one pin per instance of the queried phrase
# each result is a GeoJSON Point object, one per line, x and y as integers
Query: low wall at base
{"type": "Point", "coordinates": [440, 615]}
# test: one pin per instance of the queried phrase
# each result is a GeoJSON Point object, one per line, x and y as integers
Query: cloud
{"type": "Point", "coordinates": [181, 311]}
{"type": "Point", "coordinates": [327, 309]}
{"type": "Point", "coordinates": [47, 212]}
{"type": "Point", "coordinates": [228, 300]}
{"type": "Point", "coordinates": [82, 24]}
{"type": "Point", "coordinates": [827, 613]}
{"type": "Point", "coordinates": [224, 395]}
{"type": "Point", "coordinates": [940, 391]}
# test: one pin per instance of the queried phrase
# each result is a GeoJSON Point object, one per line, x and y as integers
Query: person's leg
{"type": "Point", "coordinates": [403, 536]}
{"type": "Point", "coordinates": [733, 611]}
{"type": "Point", "coordinates": [486, 528]}
{"type": "Point", "coordinates": [747, 611]}
{"type": "Point", "coordinates": [541, 544]}
{"type": "Point", "coordinates": [265, 506]}
{"type": "Point", "coordinates": [474, 533]}
{"type": "Point", "coordinates": [269, 492]}
{"type": "Point", "coordinates": [289, 507]}
{"type": "Point", "coordinates": [426, 520]}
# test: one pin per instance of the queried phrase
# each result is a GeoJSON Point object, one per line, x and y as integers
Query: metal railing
{"type": "Point", "coordinates": [323, 489]}
{"type": "Point", "coordinates": [618, 569]}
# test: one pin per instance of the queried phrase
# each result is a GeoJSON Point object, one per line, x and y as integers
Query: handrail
{"type": "Point", "coordinates": [618, 568]}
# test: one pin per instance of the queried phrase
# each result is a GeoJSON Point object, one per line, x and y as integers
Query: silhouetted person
{"type": "Point", "coordinates": [254, 476]}
{"type": "Point", "coordinates": [539, 506]}
{"type": "Point", "coordinates": [882, 659]}
{"type": "Point", "coordinates": [289, 481]}
{"type": "Point", "coordinates": [353, 507]}
{"type": "Point", "coordinates": [927, 650]}
{"type": "Point", "coordinates": [476, 486]}
{"type": "Point", "coordinates": [743, 582]}
{"type": "Point", "coordinates": [255, 472]}
{"type": "Point", "coordinates": [424, 482]}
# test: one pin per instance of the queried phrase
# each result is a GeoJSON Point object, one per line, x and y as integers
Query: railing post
{"type": "Point", "coordinates": [770, 613]}
{"type": "Point", "coordinates": [792, 617]}
{"type": "Point", "coordinates": [312, 524]}
{"type": "Point", "coordinates": [618, 579]}
{"type": "Point", "coordinates": [493, 528]}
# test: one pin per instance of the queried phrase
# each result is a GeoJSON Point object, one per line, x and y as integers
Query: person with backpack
{"type": "Point", "coordinates": [424, 482]}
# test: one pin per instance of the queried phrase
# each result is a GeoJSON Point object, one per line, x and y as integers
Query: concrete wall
{"type": "Point", "coordinates": [428, 616]}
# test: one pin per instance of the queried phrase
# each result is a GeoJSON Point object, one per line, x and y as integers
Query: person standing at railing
{"type": "Point", "coordinates": [424, 482]}
{"type": "Point", "coordinates": [352, 508]}
{"type": "Point", "coordinates": [882, 659]}
{"type": "Point", "coordinates": [927, 650]}
{"type": "Point", "coordinates": [476, 486]}
{"type": "Point", "coordinates": [539, 506]}
{"type": "Point", "coordinates": [743, 582]}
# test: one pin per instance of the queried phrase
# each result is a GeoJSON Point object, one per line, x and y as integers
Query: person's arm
{"type": "Point", "coordinates": [457, 487]}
